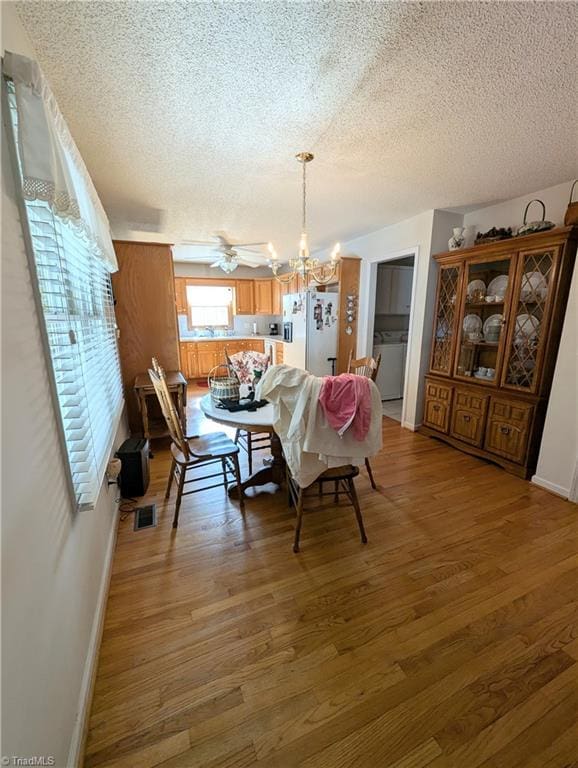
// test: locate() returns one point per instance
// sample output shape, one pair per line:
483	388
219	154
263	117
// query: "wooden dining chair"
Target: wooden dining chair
343	480
241	365
365	366
188	453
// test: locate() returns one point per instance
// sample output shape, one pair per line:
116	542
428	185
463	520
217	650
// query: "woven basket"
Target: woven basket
223	387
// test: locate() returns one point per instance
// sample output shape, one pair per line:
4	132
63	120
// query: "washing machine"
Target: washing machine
391	374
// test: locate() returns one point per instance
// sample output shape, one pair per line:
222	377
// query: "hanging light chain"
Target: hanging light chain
304	217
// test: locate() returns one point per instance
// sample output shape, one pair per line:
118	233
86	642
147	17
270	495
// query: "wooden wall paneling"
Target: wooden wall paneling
144	290
348	286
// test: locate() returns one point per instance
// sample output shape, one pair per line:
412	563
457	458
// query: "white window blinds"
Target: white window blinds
78	313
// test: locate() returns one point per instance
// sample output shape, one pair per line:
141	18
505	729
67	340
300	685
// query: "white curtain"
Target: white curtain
52	167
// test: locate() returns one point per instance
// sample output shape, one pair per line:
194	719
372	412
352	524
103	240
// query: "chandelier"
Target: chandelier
303	265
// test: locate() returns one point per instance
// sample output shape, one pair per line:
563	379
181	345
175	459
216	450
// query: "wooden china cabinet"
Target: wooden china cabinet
498	319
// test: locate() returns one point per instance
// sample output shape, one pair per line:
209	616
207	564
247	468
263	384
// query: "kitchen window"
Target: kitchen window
210	306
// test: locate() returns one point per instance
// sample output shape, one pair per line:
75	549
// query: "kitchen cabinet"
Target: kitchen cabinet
263	297
244	297
393	290
497	324
279	352
181	295
209	354
277	300
144	291
198	358
295	285
189	361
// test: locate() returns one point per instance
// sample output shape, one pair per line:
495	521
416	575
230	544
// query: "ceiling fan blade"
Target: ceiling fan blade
249	250
247	245
192	257
211	243
258	260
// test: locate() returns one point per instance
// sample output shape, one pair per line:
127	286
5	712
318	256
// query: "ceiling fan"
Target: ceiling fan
231	255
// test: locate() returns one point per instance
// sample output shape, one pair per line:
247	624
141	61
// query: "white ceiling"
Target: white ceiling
189	114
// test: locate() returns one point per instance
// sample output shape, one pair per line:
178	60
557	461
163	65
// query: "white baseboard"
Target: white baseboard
76	751
410	425
557	489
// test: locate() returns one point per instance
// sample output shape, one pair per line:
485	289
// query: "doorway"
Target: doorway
391	327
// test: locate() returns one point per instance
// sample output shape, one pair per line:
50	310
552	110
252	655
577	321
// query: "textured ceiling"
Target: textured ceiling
189	114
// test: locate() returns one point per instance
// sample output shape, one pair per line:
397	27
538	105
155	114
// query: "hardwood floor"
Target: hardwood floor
449	640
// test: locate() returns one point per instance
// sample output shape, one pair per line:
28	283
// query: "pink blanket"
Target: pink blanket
346	401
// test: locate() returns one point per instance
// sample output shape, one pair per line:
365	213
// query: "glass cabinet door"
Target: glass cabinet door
528	324
444	326
483	319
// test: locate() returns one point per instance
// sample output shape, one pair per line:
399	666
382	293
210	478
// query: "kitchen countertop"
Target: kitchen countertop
250	337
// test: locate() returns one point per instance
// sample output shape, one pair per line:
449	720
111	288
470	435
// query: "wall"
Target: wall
54	562
188	269
384	321
242	326
559	450
419	236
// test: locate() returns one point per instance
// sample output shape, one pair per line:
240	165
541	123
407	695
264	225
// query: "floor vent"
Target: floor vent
145	517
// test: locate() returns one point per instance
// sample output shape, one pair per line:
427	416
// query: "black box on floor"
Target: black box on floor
134	475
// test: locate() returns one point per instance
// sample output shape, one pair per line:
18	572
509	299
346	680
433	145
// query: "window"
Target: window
76	302
210	306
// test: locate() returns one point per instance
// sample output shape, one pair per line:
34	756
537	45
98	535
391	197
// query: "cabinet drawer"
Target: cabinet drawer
508	428
438	398
468	416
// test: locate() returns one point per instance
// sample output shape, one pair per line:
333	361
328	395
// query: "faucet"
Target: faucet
210	330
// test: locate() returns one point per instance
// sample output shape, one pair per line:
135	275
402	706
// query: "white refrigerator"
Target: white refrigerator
314	325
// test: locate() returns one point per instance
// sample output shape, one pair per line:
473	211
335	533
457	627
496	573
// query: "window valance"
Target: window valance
52	168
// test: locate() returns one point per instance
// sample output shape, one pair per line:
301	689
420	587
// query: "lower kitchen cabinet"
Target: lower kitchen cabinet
189	362
198	358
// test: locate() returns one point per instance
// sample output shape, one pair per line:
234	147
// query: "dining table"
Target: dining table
259	420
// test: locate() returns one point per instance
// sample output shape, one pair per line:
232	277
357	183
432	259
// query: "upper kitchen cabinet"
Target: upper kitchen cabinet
393	292
244	297
277	299
263	297
181	295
